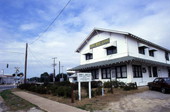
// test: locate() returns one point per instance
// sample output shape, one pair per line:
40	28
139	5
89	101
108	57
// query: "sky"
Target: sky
23	21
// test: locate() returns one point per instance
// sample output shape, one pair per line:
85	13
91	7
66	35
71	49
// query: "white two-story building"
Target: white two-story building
116	55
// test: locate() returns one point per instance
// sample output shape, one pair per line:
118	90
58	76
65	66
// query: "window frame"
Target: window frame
141	50
167	56
95	74
88	56
137	71
151	53
107	75
111	50
121	71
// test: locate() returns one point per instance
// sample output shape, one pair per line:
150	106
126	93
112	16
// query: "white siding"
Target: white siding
99	53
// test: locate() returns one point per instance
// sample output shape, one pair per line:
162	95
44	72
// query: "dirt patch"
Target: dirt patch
149	101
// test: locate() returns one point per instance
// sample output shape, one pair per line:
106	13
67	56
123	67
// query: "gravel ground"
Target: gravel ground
148	101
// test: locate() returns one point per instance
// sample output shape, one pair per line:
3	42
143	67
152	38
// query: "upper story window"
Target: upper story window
89	56
151	53
111	50
167	56
141	50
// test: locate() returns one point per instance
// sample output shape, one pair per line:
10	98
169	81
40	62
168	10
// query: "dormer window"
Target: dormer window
141	50
89	56
111	50
151	51
167	56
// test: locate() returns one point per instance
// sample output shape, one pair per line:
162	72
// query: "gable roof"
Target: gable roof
95	31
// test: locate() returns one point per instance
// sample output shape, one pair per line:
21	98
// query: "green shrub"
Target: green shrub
98	91
41	89
121	84
107	84
64	83
130	86
64	91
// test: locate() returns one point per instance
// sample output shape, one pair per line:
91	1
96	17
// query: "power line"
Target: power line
11	52
51	22
40	62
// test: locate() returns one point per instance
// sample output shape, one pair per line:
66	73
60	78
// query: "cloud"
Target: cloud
148	19
30	26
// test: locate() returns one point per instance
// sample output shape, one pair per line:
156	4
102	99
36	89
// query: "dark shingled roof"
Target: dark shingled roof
125	59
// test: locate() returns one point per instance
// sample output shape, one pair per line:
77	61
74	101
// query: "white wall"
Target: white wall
125	46
133	51
99	53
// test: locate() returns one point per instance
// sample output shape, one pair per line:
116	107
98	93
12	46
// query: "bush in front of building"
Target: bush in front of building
116	84
62	89
130	86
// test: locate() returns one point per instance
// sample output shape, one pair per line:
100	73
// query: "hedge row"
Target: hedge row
58	89
116	84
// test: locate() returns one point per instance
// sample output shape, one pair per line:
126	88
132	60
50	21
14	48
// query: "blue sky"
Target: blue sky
22	21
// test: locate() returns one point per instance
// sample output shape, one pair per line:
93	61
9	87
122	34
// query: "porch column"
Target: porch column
129	73
100	74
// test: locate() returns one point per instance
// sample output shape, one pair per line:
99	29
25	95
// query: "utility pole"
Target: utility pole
25	72
62	71
54	68
59	68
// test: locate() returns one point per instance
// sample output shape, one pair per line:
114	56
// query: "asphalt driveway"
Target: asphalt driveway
148	101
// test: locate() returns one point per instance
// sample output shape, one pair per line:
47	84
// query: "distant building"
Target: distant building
7	79
72	76
116	55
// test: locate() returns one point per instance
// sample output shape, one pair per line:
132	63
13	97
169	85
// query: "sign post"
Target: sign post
84	77
89	90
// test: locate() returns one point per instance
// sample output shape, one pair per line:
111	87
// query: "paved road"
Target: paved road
46	104
5	87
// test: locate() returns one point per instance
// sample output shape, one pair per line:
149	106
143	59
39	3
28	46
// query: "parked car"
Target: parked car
162	84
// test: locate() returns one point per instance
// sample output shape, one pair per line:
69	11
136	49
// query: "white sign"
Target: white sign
84	77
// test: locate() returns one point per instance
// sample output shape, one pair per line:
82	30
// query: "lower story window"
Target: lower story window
95	74
121	71
106	73
137	71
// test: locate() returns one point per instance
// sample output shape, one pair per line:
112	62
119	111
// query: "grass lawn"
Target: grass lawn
14	102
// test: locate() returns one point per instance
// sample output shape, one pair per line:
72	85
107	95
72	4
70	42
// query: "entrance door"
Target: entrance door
168	72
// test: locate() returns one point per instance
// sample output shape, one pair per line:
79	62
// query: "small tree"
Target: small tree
45	77
57	78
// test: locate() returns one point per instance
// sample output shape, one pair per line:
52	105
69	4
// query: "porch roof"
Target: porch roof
122	60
